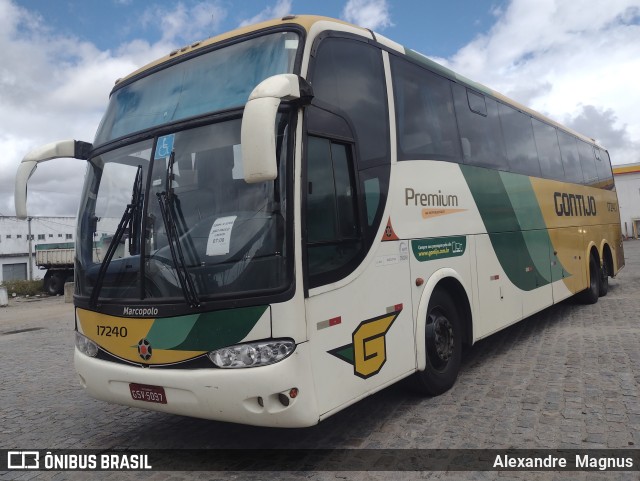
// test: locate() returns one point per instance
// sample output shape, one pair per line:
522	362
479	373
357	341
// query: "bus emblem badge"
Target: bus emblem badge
144	349
367	352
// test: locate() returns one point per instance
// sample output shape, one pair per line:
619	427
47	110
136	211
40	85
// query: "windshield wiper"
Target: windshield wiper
130	219
165	199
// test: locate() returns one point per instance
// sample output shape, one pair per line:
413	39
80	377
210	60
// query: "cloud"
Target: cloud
55	87
280	9
601	125
574	61
185	23
373	14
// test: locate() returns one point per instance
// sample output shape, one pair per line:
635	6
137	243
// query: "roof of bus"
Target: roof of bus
307	21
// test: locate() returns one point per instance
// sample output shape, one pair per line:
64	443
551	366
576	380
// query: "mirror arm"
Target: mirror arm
63	149
306	92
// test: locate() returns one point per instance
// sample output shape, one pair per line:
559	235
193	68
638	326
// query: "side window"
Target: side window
426	120
570	158
519	141
333	233
372	198
603	167
588	162
480	135
546	138
348	76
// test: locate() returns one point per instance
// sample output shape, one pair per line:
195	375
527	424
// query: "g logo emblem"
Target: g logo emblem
368	351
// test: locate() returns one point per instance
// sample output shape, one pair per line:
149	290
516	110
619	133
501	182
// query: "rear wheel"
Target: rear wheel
54	284
604	280
443	342
590	294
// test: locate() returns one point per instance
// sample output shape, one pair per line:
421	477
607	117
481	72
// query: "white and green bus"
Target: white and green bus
296	214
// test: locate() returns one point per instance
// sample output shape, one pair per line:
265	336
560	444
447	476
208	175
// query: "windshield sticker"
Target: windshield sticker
220	236
164	146
237	172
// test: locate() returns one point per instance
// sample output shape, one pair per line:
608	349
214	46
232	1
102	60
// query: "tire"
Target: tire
604	280
591	294
443	339
54	285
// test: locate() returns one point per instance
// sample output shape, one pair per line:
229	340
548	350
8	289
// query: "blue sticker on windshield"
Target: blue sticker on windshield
164	146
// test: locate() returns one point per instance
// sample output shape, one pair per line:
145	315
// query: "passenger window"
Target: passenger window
333	233
425	116
588	162
372	198
349	76
519	141
570	158
548	149
480	135
603	167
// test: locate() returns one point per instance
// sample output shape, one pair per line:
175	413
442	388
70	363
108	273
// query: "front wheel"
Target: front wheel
443	342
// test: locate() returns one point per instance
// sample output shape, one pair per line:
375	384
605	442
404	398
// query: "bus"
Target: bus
303	212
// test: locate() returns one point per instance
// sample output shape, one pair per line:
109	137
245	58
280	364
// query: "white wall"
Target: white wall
628	188
14	242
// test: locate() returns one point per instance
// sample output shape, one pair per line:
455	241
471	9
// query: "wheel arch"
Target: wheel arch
451	282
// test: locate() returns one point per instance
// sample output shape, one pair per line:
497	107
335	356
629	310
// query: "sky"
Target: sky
577	61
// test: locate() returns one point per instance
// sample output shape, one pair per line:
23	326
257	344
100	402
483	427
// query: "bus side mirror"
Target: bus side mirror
29	164
258	134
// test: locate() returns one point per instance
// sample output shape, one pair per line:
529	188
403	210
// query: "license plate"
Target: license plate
144	392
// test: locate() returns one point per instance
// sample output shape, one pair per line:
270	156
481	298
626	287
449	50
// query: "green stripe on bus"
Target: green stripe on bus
513	219
206	331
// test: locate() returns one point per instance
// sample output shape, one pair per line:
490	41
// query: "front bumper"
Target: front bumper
246	396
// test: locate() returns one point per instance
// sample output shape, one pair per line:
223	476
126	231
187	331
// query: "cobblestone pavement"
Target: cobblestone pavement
567	377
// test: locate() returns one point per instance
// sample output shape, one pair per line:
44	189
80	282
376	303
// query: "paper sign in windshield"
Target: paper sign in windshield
220	236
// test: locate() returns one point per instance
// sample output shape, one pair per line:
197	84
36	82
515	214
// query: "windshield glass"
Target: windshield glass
230	234
218	80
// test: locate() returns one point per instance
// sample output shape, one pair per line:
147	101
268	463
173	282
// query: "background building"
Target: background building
627	178
14	243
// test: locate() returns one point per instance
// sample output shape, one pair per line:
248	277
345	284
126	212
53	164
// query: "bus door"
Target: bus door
358	307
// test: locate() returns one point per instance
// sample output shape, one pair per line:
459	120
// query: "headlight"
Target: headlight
86	346
252	354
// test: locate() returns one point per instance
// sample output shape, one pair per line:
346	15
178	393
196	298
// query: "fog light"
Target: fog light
86	346
252	354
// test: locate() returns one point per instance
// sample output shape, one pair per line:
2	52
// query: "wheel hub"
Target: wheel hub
440	339
443	338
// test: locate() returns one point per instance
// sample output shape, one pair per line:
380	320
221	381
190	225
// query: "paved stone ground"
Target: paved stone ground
566	378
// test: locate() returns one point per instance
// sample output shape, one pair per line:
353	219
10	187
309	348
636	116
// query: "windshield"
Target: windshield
218	80
184	189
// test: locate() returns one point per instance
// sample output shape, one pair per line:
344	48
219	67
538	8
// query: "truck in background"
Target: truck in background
58	260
